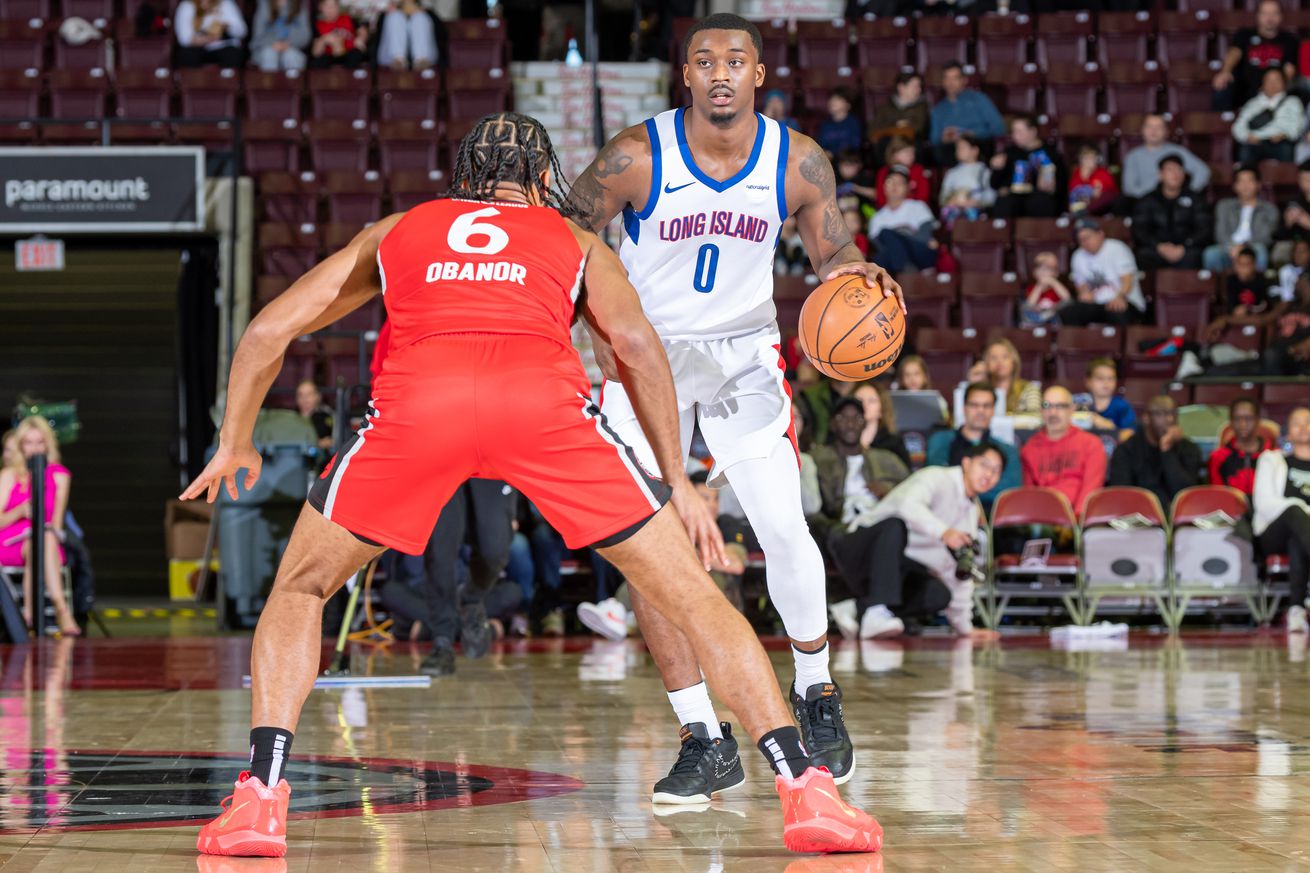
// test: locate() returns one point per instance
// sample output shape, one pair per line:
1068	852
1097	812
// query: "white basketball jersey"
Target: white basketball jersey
700	253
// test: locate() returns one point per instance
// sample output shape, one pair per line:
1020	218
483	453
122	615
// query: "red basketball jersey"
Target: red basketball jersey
463	266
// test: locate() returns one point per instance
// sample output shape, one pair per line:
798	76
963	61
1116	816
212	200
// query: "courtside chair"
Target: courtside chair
1210	558
1007	578
1125	539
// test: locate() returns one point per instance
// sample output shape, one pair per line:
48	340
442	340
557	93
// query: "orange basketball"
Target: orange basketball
849	331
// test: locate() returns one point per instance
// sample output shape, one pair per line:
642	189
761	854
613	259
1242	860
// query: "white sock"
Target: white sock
692	704
811	668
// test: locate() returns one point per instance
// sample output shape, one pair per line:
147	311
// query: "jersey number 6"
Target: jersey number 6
707	264
466	226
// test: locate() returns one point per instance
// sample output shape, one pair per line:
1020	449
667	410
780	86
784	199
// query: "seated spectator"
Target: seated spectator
853	180
310	405
1270	123
905	110
1288	352
1233	463
880	421
1092	190
900	156
1252	52
902	231
1105	279
852	478
408	38
1289	273
33	436
961	111
1142	164
1244	220
854	219
1296	217
738	538
947	447
208	32
906	563
1158	457
1171	225
977	372
281	35
777	107
1061	456
1003	367
337	41
789	257
1109	409
820	401
912	375
841	130
967	187
1281	500
1029	175
1246	297
1046	293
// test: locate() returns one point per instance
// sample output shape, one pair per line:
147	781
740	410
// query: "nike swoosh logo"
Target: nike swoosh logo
222	822
668	190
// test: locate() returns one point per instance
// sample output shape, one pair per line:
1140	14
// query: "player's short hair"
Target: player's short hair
724	21
508	148
982	447
1097	363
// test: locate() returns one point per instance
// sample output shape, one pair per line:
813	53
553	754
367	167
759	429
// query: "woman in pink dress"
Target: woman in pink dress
33	436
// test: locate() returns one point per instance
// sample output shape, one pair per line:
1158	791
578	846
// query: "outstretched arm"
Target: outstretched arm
812	197
338	285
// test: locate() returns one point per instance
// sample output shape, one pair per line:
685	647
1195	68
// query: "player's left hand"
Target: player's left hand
873	275
702	527
221	472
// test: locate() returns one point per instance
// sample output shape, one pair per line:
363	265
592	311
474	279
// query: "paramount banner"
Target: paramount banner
102	190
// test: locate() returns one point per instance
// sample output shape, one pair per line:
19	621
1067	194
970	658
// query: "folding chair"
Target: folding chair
1058	578
1209	558
1125	538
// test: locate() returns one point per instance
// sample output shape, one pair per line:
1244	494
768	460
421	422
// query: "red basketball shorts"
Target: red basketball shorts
485	406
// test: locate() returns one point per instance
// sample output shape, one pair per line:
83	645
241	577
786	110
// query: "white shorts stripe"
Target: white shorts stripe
339	470
590	411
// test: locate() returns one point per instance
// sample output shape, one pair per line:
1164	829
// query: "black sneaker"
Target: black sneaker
704	766
474	632
441	661
819	714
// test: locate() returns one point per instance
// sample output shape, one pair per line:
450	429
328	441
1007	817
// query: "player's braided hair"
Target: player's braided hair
508	147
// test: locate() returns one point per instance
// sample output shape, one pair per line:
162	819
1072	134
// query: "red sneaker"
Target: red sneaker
253	823
816	819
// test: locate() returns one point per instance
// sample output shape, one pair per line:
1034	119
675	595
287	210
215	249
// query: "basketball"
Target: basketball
850	332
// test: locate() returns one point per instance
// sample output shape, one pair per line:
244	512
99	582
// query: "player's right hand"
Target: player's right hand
702	527
222	471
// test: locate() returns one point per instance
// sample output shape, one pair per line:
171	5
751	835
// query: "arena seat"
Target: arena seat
339	94
777	44
1014	88
1057	579
471	94
942	39
1072	89
273	96
299	363
476	44
1131	562
1117	227
404	96
20	94
1137	362
143	93
1188	88
22	46
408	146
1075	131
882	43
1280	398
1183	38
822	45
92	54
78	93
877	84
272	146
289	198
208	93
1138	392
947	352
1123	38
818	83
339	145
98	12
1133	88
934	298
1035	235
26	10
344	359
353	198
989	298
1062	39
287	250
980	245
1278	181
267	288
1076	347
1210	135
132	52
409	189
1003	41
1211	558
1034	346
1184	297
1222	395
1247	337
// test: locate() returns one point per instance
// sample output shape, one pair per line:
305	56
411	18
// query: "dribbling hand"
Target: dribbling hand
222	471
873	275
701	526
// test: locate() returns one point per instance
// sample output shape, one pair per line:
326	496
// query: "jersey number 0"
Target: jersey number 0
707	264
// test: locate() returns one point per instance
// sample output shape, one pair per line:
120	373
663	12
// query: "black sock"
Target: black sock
786	755
269	749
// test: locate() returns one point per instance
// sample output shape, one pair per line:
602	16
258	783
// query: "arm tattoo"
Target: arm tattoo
589	194
816	169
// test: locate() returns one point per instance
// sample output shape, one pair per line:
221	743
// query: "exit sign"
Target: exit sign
39	254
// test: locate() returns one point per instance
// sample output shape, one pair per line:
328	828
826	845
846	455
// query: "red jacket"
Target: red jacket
1074	464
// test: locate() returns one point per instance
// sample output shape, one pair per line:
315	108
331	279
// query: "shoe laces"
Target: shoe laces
689	757
824	718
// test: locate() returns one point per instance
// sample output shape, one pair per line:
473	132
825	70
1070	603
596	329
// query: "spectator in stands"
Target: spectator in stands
840	130
1296	217
1289	273
904	113
1246	297
337	41
1092	190
33	436
789	257
408	38
902	230
777	107
947	447
1003	368
1105	279
820	400
880	421
912	375
967	187
281	35
852	477
1109	409
961	111
310	405
1244	220
1046	293
1141	164
1158	457
208	32
1233	463
1029	175
1252	52
900	156
1281	499
905	563
1062	456
854	181
854	219
1270	123
1288	352
1171	225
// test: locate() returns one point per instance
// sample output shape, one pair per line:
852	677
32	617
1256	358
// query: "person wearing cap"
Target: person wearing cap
1105	280
1171	225
902	230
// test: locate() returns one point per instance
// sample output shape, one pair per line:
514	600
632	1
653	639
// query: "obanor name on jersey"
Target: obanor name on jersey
487	271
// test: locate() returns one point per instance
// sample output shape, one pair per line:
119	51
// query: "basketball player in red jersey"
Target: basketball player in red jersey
704	191
480	290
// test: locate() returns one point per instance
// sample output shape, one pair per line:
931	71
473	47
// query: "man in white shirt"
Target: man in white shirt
1105	276
902	230
913	561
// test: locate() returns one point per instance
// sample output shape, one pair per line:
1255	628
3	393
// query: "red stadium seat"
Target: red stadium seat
1222	395
471	94
132	52
287	250
20	94
883	43
289	198
1076	347
1034	346
980	245
78	94
1210	560
267	289
87	56
947	352
1188	88
408	145
144	93
339	145
272	146
408	96
476	44
1183	297
1139	392
22	46
1278	180
942	39
1072	89
273	96
1035	235
1062	38
26	10
1003	41
340	94
1280	398
1057	578
1075	131
817	84
98	12
1137	361
988	299
1133	88
1210	135
934	298
208	93
1247	337
1118	228
822	45
213	136
345	360
1014	88
777	44
1123	38
1125	561
354	199
1184	37
455	133
409	189
878	84
1214	7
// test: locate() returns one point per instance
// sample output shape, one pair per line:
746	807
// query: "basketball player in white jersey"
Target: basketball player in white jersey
704	191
